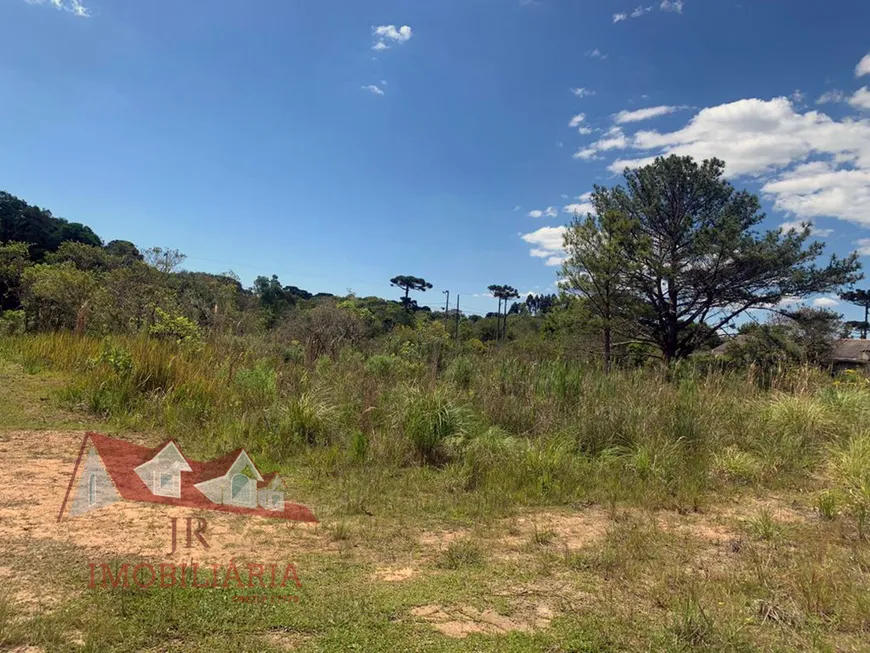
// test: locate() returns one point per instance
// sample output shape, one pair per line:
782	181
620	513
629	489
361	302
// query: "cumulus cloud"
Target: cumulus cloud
812	165
798	225
819	189
386	34
584	131
863	67
643	114
861	98
373	89
585	153
862	246
825	302
546	243
756	136
75	7
549	212
619	17
595	53
576	120
578	208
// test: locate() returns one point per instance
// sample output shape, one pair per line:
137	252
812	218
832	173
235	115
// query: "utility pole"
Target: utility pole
446	302
457	318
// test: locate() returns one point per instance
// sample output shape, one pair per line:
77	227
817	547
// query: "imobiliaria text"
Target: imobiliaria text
250	575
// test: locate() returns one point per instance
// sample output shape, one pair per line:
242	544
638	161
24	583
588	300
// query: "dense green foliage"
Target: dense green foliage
675	255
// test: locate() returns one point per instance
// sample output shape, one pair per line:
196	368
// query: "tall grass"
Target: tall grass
500	426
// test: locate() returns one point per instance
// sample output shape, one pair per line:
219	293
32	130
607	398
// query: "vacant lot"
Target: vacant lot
411	556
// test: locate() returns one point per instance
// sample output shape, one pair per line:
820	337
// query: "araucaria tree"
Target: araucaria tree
859	298
693	259
409	283
504	294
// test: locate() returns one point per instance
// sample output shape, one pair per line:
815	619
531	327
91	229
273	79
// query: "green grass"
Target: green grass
389	446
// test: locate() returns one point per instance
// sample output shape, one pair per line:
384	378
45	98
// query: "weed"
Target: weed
764	526
460	554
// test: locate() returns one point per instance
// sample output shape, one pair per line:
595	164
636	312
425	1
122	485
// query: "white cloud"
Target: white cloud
576	120
863	246
585	153
390	33
797	96
818	189
517	207
863	67
373	89
831	97
75	7
614	139
641	10
584	131
788	300
861	98
643	114
813	166
825	302
797	225
581	208
547	244
755	136
549	212
582	92
595	53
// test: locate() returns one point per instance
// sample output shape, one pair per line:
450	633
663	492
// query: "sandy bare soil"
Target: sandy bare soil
34	479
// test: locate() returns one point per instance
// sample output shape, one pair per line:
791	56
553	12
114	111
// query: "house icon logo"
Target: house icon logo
109	470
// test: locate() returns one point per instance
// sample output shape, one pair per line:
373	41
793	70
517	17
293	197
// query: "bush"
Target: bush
11	323
175	327
461	372
460	554
850	469
429	419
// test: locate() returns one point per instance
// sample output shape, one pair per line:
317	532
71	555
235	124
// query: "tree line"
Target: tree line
668	261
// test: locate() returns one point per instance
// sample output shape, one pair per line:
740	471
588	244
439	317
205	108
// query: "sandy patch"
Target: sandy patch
779	509
33	482
394	575
462	621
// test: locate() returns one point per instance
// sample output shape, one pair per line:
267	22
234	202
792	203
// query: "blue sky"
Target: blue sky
297	138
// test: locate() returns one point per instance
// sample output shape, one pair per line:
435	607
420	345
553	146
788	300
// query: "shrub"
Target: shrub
429	419
381	366
461	372
460	554
850	469
258	385
11	323
736	465
175	327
